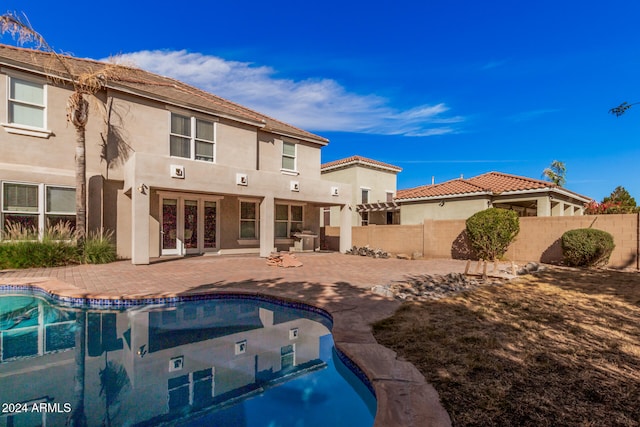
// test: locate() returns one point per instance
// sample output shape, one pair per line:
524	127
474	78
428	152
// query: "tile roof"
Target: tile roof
150	85
448	188
358	160
493	183
498	182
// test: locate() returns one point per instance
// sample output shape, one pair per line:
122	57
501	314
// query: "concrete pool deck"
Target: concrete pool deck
335	282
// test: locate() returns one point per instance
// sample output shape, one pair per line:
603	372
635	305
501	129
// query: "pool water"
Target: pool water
218	362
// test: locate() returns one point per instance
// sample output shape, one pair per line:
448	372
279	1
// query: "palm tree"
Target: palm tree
84	84
556	173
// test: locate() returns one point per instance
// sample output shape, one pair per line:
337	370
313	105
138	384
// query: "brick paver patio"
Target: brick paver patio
338	283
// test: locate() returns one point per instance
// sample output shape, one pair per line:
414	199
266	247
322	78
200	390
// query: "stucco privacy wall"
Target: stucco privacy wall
538	240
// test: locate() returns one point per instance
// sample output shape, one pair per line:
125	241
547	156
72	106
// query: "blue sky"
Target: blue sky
439	88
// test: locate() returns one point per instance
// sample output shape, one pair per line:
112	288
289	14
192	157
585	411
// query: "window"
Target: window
365	195
192	138
389	196
288	220
365	218
61	206
248	220
26	103
21	204
288	156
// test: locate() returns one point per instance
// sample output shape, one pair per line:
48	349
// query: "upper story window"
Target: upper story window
365	195
192	138
389	196
289	150
26	103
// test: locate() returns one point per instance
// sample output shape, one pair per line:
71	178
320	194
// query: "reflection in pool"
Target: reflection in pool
219	362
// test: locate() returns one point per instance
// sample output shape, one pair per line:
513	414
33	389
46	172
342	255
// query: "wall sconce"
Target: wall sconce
550	196
489	203
143	188
441	204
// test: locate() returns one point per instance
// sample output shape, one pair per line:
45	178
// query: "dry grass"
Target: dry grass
561	348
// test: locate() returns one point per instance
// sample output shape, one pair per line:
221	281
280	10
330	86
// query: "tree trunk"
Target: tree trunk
81	183
78	115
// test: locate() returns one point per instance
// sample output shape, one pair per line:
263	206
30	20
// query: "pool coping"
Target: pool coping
404	398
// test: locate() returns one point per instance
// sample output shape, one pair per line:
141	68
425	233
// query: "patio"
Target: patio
335	282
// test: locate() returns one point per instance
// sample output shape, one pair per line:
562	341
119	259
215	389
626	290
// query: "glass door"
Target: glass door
210	219
188	225
191	226
170	227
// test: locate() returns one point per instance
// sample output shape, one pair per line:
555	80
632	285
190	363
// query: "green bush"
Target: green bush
98	248
587	247
58	246
33	253
491	231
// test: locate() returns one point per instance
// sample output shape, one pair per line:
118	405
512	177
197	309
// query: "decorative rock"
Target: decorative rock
426	287
367	251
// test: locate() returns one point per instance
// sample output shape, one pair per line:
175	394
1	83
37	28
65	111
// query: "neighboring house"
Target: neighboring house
373	188
171	169
461	198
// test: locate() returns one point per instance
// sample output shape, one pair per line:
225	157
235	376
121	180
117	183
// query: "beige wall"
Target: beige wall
416	213
538	240
134	149
377	181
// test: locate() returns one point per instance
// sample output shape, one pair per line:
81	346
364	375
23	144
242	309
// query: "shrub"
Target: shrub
58	246
491	231
587	247
98	248
33	253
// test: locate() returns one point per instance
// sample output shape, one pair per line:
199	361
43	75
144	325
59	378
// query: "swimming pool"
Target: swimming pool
222	361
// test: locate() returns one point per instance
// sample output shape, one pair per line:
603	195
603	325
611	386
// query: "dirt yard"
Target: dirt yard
559	348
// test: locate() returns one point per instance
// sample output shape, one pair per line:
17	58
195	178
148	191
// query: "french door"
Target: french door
189	224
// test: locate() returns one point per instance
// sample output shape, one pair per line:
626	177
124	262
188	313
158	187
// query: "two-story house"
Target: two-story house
373	189
171	169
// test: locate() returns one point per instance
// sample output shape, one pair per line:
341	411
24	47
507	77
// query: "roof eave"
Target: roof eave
546	190
446	196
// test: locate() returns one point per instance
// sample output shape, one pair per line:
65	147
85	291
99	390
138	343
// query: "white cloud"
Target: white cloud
312	104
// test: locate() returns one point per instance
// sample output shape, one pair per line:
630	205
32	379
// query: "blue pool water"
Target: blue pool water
218	362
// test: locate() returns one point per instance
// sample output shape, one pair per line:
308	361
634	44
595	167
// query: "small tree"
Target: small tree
491	231
556	173
618	202
84	84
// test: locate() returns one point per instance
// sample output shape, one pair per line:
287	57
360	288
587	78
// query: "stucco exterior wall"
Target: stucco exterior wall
129	166
377	181
416	213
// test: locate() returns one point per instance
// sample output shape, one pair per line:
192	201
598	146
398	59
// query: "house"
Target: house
171	169
373	188
461	198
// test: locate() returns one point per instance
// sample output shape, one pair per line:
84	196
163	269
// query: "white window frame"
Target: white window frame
193	140
252	239
41	210
362	191
289	219
289	156
22	129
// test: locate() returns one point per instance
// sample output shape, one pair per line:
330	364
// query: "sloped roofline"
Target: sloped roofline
477	186
142	83
358	161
